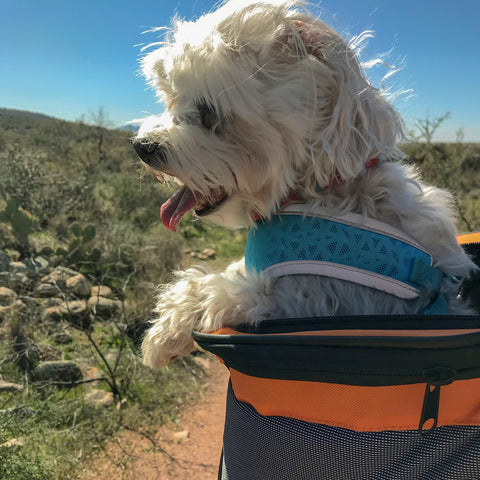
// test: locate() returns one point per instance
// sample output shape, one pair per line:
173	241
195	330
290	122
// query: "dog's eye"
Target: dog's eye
208	115
185	119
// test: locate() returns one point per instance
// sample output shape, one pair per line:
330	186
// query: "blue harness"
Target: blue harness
352	248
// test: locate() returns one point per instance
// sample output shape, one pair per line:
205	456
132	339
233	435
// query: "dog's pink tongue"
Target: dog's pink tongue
172	211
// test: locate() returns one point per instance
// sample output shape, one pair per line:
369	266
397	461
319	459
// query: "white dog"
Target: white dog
268	112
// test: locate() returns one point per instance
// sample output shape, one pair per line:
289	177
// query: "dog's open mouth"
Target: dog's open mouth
184	200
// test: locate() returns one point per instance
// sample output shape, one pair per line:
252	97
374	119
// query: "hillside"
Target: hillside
81	251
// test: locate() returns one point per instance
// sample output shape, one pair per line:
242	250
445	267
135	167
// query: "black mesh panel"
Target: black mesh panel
278	448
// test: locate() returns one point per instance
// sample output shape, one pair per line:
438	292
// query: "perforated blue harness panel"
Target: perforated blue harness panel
295	243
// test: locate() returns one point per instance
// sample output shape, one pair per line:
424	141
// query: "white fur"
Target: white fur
294	111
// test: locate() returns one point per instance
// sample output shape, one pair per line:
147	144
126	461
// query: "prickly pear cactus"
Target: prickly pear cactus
77	251
21	222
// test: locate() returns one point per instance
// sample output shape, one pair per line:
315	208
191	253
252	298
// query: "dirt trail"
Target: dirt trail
195	456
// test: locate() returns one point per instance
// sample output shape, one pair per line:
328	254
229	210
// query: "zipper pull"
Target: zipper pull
436	377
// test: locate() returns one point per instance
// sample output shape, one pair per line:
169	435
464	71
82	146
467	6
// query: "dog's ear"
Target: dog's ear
153	70
355	123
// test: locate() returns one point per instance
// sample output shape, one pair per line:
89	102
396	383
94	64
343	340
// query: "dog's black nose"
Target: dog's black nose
144	148
151	153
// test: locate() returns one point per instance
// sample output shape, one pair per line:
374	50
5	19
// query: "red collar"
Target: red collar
373	162
295	198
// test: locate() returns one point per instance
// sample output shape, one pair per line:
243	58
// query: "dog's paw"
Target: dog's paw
159	349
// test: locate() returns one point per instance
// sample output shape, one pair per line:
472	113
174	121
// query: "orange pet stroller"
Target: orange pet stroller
353	398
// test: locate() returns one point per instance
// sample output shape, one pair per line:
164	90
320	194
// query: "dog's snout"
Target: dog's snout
143	148
150	152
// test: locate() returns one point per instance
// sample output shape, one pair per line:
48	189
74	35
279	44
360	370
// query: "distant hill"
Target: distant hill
129	128
24	117
103	160
64	142
21	115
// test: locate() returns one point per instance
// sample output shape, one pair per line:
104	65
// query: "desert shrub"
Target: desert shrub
21	465
41	190
454	167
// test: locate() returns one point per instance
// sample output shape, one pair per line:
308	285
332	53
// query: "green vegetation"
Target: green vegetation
73	197
452	166
74	201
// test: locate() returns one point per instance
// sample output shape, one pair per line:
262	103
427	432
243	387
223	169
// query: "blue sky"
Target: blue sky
66	58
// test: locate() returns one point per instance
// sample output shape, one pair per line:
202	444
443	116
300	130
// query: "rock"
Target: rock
205	254
14	254
49	352
49	301
78	285
4	262
9	302
68	310
7	296
58	278
37	264
10	387
14	442
99	397
74	311
93	375
40	264
18	268
14	280
102	291
18	277
5	279
63	337
209	252
22	411
122	404
47	290
179	436
62	372
104	307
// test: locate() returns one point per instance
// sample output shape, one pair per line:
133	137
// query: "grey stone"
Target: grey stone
49	301
7	296
49	352
40	264
58	277
18	280
75	312
47	290
5	279
102	291
104	307
10	387
18	268
60	372
63	337
4	261
13	443
209	252
78	285
74	308
14	254
99	397
9	302
21	411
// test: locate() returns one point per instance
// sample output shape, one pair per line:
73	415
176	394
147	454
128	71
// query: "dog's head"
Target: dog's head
262	101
